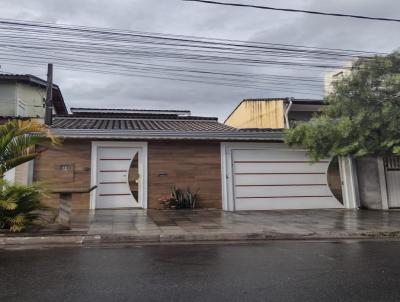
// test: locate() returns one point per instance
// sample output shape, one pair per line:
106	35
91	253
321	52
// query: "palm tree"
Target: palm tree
18	139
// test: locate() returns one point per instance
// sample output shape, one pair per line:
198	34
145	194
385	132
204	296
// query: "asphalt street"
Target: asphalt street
272	271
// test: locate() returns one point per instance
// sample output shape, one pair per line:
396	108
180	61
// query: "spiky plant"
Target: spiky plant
18	139
191	198
184	199
19	205
178	197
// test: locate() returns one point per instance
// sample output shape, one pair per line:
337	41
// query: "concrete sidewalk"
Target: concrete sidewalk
154	226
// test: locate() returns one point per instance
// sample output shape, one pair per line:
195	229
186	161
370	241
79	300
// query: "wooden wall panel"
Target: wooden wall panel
76	153
185	164
181	163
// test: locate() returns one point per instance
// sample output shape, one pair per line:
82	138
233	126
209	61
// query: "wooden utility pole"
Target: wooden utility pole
48	115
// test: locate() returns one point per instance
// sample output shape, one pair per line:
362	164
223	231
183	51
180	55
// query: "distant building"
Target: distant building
274	113
23	95
334	76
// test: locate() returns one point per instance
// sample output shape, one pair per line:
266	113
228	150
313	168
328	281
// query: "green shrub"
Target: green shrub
18	204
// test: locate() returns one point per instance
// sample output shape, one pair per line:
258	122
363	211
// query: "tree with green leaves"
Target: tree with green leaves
18	144
18	141
362	116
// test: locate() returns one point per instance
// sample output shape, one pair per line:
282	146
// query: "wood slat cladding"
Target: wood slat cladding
180	163
183	164
76	153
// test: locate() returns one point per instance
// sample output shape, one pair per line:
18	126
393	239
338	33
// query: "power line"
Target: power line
171	57
296	10
85	31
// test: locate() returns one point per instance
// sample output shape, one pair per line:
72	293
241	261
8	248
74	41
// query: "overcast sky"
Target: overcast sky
188	18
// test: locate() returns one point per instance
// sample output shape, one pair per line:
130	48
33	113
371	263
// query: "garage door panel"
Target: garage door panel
269	179
277	167
287	203
279	178
269	155
269	191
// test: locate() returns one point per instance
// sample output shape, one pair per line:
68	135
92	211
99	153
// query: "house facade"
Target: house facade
132	158
135	157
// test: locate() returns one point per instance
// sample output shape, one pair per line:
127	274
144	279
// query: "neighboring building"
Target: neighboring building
275	113
334	76
23	95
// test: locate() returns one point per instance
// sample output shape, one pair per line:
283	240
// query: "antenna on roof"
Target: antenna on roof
48	115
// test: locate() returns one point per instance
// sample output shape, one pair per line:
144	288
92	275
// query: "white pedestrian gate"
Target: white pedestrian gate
119	172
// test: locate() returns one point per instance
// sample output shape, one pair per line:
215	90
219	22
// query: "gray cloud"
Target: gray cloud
177	17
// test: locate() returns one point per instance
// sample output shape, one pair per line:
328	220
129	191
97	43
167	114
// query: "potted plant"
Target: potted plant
166	202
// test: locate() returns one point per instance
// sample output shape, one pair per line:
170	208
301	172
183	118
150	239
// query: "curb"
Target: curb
38	240
107	239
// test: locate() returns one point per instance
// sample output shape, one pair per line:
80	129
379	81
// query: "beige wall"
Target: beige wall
33	97
258	114
29	96
185	163
8	96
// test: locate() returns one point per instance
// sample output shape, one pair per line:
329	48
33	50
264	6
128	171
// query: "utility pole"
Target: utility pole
48	115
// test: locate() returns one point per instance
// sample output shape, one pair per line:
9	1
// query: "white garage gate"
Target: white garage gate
273	176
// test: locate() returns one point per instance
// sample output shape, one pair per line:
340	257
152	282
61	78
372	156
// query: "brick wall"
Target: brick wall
180	163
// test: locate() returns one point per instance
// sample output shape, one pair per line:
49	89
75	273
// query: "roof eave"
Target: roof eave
168	135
